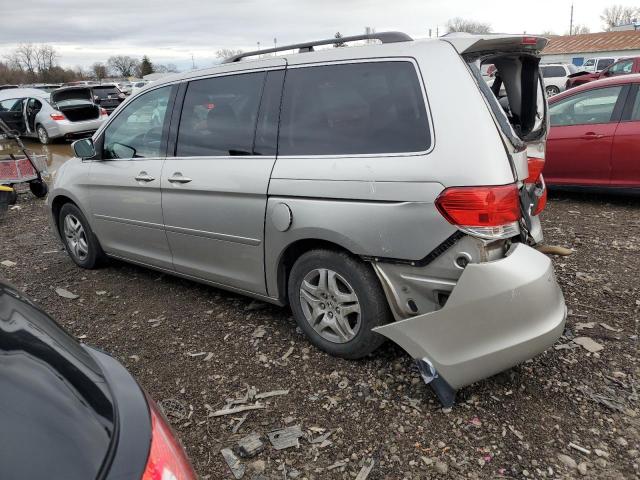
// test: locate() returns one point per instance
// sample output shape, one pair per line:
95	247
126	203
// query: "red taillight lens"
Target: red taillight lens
57	116
480	206
529	41
103	112
535	169
166	459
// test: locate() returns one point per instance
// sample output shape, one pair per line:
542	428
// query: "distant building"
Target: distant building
576	48
634	25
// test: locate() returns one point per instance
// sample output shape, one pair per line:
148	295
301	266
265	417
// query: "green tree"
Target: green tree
338	43
146	67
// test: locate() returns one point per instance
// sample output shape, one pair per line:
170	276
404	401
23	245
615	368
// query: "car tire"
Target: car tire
337	300
39	188
552	90
78	238
43	135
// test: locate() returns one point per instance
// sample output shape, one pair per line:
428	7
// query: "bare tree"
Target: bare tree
618	15
579	30
227	52
99	70
458	24
168	68
122	65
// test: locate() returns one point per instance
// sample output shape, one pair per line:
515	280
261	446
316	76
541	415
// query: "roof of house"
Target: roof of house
593	42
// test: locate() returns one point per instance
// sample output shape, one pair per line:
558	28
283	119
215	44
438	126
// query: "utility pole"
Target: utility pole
275	45
571	21
193	62
429	33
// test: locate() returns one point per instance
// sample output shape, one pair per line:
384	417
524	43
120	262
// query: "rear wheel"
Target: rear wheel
43	136
337	300
552	90
79	240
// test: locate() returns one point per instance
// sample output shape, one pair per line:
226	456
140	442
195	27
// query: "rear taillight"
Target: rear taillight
57	116
487	212
103	112
536	165
535	169
167	459
529	41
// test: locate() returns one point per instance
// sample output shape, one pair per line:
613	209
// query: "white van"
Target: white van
598	64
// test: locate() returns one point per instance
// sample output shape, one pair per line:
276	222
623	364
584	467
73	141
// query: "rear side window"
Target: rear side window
585	108
219	116
553	71
604	63
351	109
621	68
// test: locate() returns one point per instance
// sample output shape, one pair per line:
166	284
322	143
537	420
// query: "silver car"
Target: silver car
374	195
67	112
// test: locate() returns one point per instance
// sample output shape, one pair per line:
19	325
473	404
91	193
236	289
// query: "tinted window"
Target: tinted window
266	140
137	130
104	92
593	106
353	109
219	116
553	71
635	113
589	63
604	63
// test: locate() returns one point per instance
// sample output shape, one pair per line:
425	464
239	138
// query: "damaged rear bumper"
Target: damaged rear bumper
499	314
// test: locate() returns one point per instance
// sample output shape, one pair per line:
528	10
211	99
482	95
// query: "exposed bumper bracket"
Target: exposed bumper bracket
445	393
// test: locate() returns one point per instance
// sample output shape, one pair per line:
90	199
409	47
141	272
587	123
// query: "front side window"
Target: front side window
586	108
219	116
358	108
137	130
621	68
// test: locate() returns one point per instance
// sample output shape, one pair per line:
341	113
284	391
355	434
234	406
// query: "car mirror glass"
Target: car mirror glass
84	148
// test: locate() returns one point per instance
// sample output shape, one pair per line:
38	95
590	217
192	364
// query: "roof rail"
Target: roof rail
384	37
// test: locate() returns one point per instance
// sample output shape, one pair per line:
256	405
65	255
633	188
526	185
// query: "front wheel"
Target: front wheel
552	90
337	300
79	240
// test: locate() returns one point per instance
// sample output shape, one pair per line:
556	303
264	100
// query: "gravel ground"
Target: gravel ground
200	346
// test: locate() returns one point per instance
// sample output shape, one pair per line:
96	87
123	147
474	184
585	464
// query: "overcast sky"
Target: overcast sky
171	31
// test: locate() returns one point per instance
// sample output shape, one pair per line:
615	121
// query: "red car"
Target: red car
594	139
624	66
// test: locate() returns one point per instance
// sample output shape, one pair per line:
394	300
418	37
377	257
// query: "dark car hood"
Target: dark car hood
56	410
71	93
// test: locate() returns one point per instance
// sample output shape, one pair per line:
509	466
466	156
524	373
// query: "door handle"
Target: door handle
179	178
592	136
144	177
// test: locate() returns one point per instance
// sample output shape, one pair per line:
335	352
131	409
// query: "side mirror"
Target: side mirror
84	148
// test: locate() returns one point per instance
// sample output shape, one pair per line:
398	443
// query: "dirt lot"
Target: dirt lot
511	426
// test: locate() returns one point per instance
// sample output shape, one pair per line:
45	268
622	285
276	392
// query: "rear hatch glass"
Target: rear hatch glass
106	92
67	94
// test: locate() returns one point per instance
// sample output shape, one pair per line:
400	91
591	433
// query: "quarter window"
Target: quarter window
219	116
137	130
360	108
591	107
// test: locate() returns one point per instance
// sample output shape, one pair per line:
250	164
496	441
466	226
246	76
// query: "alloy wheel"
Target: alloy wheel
76	237
330	305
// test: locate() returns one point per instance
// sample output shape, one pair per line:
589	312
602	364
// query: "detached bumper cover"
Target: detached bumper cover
499	314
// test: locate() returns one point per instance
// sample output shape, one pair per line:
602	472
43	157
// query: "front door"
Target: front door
11	112
581	137
125	181
214	191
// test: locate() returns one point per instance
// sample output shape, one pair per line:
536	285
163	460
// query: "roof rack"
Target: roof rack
384	37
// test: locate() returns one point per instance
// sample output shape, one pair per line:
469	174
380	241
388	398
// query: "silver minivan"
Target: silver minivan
380	190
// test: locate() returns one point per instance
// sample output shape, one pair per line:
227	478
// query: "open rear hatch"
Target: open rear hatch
515	95
76	103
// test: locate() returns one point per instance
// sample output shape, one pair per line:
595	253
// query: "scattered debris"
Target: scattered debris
516	433
338	464
135	358
66	294
567	460
579	448
588	344
199	354
285	437
230	411
287	353
250	446
583	325
101	292
259	332
173	409
237	426
555	250
236	467
610	328
8	263
366	469
273	393
208	357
